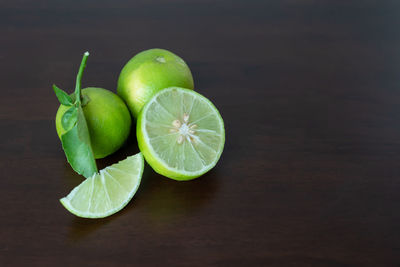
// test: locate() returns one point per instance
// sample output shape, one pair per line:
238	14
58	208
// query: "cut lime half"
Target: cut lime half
108	191
180	133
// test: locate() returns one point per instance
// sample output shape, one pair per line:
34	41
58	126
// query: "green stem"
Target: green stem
79	78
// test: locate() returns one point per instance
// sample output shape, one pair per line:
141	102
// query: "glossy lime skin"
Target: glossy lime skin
108	120
149	72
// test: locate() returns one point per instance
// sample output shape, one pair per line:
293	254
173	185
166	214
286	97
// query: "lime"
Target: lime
108	120
147	73
180	133
108	191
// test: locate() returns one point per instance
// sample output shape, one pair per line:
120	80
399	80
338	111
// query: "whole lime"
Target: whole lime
147	73
107	117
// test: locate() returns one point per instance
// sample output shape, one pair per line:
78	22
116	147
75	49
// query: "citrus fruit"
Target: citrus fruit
108	120
147	73
108	191
180	133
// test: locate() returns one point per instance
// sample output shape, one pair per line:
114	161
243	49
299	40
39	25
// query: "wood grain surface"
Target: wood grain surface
310	94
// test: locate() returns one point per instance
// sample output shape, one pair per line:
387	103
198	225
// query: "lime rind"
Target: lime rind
104	194
147	73
162	163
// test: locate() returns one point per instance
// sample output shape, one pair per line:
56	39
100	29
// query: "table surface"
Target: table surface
309	92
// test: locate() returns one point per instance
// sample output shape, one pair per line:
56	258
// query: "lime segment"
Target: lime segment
180	133
108	191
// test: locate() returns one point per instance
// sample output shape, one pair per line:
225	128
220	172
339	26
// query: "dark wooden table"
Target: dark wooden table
310	94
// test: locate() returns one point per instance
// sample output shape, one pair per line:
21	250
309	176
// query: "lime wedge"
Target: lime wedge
180	133
108	191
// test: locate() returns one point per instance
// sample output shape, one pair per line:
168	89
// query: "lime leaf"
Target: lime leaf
76	140
77	148
69	118
62	96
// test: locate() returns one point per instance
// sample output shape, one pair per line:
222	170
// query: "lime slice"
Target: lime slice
180	133
108	191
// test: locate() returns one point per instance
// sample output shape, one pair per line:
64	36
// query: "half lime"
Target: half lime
180	133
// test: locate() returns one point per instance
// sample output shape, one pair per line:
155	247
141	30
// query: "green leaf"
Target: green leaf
69	118
76	140
62	96
77	148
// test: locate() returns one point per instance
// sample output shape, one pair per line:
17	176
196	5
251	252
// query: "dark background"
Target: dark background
309	91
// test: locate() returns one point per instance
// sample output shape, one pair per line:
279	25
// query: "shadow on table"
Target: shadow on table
81	228
168	200
159	200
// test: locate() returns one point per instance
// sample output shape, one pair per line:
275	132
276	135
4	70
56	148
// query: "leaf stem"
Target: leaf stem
79	78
